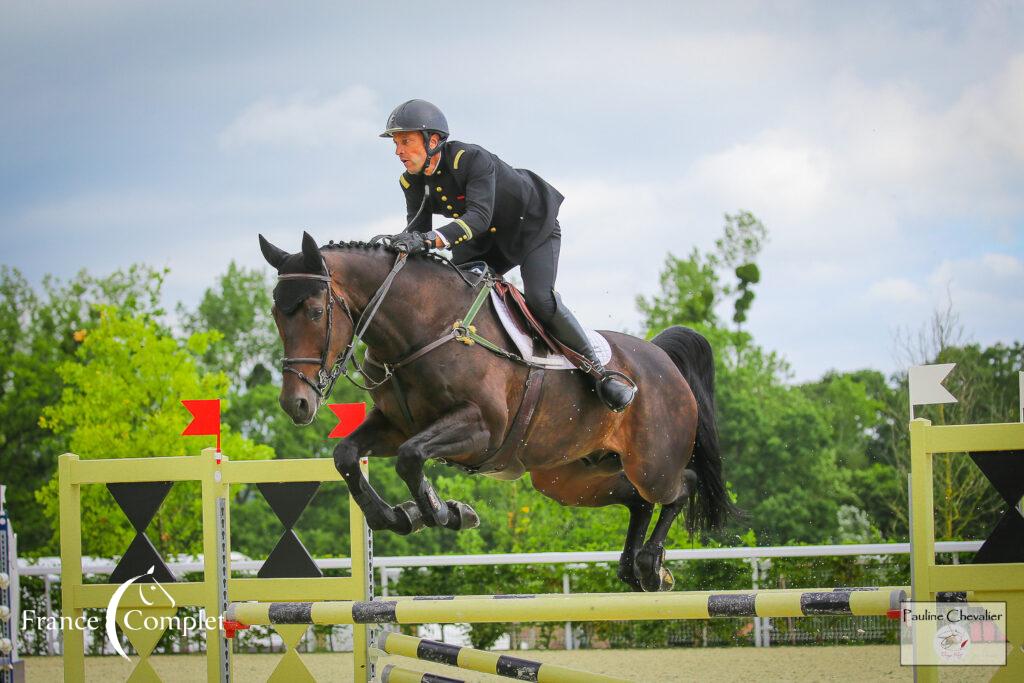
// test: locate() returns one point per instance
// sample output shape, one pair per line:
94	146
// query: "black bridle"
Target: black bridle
325	378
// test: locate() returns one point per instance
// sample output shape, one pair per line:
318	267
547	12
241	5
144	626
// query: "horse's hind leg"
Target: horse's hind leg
649	564
640	514
581	485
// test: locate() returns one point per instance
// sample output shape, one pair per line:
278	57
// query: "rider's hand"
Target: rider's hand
410	242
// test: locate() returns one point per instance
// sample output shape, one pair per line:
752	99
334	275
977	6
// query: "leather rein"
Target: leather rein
327	374
325	378
497	460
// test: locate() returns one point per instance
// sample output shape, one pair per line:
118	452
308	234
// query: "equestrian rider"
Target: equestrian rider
503	216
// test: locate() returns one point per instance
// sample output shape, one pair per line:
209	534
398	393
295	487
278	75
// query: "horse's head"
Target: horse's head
313	332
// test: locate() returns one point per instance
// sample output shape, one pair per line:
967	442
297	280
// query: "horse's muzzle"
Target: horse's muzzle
300	407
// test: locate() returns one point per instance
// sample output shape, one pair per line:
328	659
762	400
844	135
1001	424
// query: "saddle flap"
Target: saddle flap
523	328
520	314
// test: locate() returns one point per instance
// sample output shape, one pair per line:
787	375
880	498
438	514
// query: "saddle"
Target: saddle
534	343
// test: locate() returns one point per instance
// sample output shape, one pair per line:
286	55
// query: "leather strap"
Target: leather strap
515	302
426	349
403	404
516	436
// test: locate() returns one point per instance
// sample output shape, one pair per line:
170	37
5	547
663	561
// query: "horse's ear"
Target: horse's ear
312	259
274	256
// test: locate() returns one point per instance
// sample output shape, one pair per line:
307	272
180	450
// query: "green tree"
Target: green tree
741	242
688	294
121	399
778	458
238	307
38	333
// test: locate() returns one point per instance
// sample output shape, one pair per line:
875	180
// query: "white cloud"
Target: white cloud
895	290
999	275
882	146
777	170
304	120
985	292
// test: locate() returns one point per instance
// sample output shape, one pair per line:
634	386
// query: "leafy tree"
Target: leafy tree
778	458
851	413
38	332
239	308
742	240
121	399
688	295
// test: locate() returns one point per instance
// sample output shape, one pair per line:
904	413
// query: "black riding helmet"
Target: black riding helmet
422	116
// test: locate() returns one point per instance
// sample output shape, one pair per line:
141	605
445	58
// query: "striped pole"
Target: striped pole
487	662
574	607
399	674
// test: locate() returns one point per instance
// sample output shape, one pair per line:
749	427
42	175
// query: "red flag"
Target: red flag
350	416
205	418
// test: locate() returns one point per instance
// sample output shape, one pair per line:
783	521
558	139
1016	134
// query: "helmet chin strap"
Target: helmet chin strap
430	152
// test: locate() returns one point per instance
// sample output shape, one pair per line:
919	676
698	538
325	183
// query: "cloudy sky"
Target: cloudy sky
881	143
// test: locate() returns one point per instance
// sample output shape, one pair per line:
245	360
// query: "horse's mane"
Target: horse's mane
380	246
289	294
426	257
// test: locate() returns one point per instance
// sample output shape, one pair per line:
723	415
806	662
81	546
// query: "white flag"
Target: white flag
926	384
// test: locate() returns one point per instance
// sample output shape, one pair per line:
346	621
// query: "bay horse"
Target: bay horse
458	403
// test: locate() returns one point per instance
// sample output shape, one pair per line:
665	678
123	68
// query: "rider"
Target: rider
503	216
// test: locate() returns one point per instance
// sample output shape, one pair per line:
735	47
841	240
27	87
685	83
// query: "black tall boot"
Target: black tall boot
615	393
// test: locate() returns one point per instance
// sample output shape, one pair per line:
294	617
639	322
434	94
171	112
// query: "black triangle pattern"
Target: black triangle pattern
289	499
1005	543
140	500
1005	471
289	560
140	556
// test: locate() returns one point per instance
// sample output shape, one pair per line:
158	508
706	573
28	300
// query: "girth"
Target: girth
497	460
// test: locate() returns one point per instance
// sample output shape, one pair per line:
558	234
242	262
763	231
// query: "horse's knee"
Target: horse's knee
346	457
409	462
541	303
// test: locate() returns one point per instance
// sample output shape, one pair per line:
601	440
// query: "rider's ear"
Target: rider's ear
274	256
312	259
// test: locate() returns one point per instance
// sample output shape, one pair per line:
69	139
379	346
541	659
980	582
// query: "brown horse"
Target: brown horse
458	403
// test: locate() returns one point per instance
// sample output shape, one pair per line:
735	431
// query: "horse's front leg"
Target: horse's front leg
461	431
375	436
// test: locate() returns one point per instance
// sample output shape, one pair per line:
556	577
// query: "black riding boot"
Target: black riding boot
615	393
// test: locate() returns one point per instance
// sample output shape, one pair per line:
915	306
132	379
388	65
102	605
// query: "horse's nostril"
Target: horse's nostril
301	406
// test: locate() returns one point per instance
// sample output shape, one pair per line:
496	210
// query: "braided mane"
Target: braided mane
380	246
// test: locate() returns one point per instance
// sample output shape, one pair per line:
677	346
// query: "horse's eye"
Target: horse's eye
316	313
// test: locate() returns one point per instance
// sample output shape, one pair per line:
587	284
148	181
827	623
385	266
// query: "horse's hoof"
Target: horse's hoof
668	581
410	519
649	569
461	516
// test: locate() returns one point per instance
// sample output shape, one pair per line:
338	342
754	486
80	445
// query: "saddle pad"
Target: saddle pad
524	342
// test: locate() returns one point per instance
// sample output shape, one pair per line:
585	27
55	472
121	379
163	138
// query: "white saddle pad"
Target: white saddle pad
524	342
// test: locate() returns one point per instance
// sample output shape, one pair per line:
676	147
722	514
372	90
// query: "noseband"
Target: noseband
325	378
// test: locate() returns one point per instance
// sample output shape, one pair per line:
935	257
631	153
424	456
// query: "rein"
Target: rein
325	378
462	330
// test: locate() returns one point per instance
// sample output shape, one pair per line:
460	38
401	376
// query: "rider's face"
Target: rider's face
409	148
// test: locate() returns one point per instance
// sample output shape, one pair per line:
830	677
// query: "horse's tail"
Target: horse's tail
692	354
